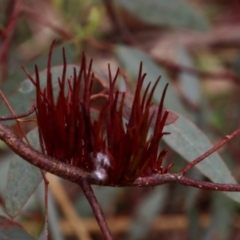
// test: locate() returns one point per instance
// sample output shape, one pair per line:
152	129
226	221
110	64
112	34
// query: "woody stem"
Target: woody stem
87	190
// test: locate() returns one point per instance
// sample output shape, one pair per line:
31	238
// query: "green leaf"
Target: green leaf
170	13
130	59
190	142
10	230
23	178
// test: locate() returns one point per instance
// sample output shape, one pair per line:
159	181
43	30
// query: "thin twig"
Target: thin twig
16	116
40	160
209	152
87	190
76	223
77	175
46	228
159	179
13	113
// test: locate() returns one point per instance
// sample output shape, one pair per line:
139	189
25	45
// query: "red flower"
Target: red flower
114	150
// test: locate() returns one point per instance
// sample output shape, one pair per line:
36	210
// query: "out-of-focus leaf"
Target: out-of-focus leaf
185	138
24	96
53	214
105	197
222	218
208	62
130	59
193	213
236	65
3	146
190	142
4	166
194	228
170	13
192	193
189	84
9	230
147	210
44	234
23	178
12	83
21	93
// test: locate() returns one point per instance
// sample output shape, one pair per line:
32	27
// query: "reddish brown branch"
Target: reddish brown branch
87	190
159	179
209	152
13	117
77	175
39	160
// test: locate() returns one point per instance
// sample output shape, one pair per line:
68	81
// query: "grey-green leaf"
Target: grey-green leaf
130	59
15	88
185	137
9	230
23	178
222	218
170	13
26	90
188	84
190	142
148	209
